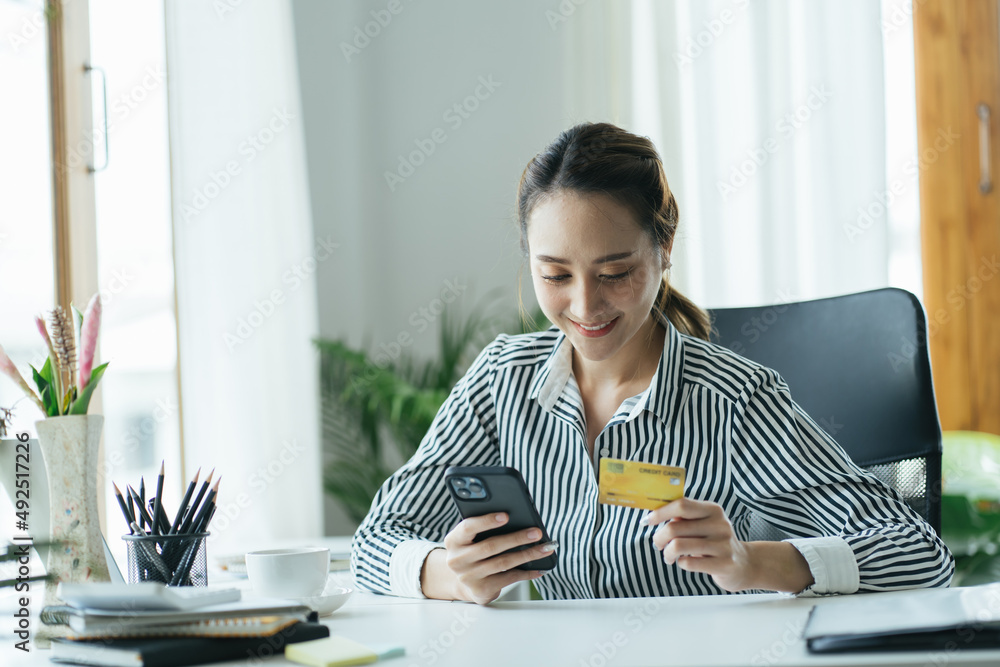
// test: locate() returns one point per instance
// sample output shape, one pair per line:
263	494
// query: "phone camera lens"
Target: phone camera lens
458	482
476	487
463	493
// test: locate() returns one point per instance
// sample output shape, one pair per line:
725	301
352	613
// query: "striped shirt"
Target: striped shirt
731	423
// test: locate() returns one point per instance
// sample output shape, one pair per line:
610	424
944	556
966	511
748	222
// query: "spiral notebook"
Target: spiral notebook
180	651
252	626
93	621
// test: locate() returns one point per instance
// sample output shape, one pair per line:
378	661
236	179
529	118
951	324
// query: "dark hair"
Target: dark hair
600	158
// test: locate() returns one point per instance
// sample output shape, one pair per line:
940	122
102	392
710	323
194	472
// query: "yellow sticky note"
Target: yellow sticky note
636	484
330	652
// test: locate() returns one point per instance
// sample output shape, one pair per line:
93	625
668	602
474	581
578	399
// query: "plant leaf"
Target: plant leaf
46	371
78	321
45	391
79	406
39	379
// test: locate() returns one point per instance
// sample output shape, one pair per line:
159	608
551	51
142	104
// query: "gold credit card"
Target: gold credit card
637	484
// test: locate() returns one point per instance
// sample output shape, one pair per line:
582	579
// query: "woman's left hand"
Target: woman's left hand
698	537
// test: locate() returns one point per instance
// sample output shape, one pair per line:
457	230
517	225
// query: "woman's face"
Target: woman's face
596	272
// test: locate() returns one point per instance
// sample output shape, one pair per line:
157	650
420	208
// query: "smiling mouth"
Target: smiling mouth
595	328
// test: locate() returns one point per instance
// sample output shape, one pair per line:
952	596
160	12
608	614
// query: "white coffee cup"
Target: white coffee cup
289	573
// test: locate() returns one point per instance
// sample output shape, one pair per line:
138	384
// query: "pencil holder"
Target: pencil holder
175	560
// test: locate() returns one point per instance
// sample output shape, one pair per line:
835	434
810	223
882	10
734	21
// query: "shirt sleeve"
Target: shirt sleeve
412	512
855	532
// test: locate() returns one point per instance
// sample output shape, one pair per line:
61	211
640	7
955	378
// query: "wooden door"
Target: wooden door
957	58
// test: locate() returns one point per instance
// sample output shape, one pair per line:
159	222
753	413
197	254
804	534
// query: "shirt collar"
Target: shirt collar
555	372
659	398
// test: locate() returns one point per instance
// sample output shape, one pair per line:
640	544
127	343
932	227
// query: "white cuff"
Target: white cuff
405	563
832	563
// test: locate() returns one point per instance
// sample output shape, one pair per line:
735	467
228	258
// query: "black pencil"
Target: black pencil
199	520
203	526
162	525
152	555
129	519
157	502
183	572
141	498
184	503
192	508
131	506
208	519
142	508
134	503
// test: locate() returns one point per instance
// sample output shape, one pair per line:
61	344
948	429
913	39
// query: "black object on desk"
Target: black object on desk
181	651
944	619
172	553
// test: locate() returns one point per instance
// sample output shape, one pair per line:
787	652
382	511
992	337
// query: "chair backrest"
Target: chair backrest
859	366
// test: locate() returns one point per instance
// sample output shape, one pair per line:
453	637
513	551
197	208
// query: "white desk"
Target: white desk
738	630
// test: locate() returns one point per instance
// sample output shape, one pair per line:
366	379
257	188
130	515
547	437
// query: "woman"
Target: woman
627	372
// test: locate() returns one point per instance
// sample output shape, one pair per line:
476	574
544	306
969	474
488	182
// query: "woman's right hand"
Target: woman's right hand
480	570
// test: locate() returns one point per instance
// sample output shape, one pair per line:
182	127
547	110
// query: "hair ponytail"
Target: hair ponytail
603	158
686	317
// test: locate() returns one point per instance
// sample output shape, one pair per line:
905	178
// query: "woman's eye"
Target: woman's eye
618	277
605	278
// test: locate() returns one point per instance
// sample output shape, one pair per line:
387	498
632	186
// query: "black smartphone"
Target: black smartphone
479	490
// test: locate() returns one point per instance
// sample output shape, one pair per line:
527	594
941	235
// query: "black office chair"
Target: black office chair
859	366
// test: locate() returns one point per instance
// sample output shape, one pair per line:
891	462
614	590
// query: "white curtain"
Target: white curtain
245	262
770	118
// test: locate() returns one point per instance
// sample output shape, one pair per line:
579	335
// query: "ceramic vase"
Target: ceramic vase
69	448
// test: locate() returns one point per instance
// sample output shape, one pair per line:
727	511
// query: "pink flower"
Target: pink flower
88	339
8	368
40	323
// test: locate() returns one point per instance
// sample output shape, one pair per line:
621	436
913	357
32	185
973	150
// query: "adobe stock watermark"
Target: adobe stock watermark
772	654
120	109
230	509
454	116
900	16
362	36
264	309
420	320
249	149
224	7
33	25
881	201
956	298
562	13
758	325
605	650
696	45
118	283
433	649
786	128
986	617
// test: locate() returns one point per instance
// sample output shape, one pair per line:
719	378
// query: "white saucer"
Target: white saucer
332	599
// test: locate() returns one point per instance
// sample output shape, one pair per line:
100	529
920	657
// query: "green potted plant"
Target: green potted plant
369	402
69	439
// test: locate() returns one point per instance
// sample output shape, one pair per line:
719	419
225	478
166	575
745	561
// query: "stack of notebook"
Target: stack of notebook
124	632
